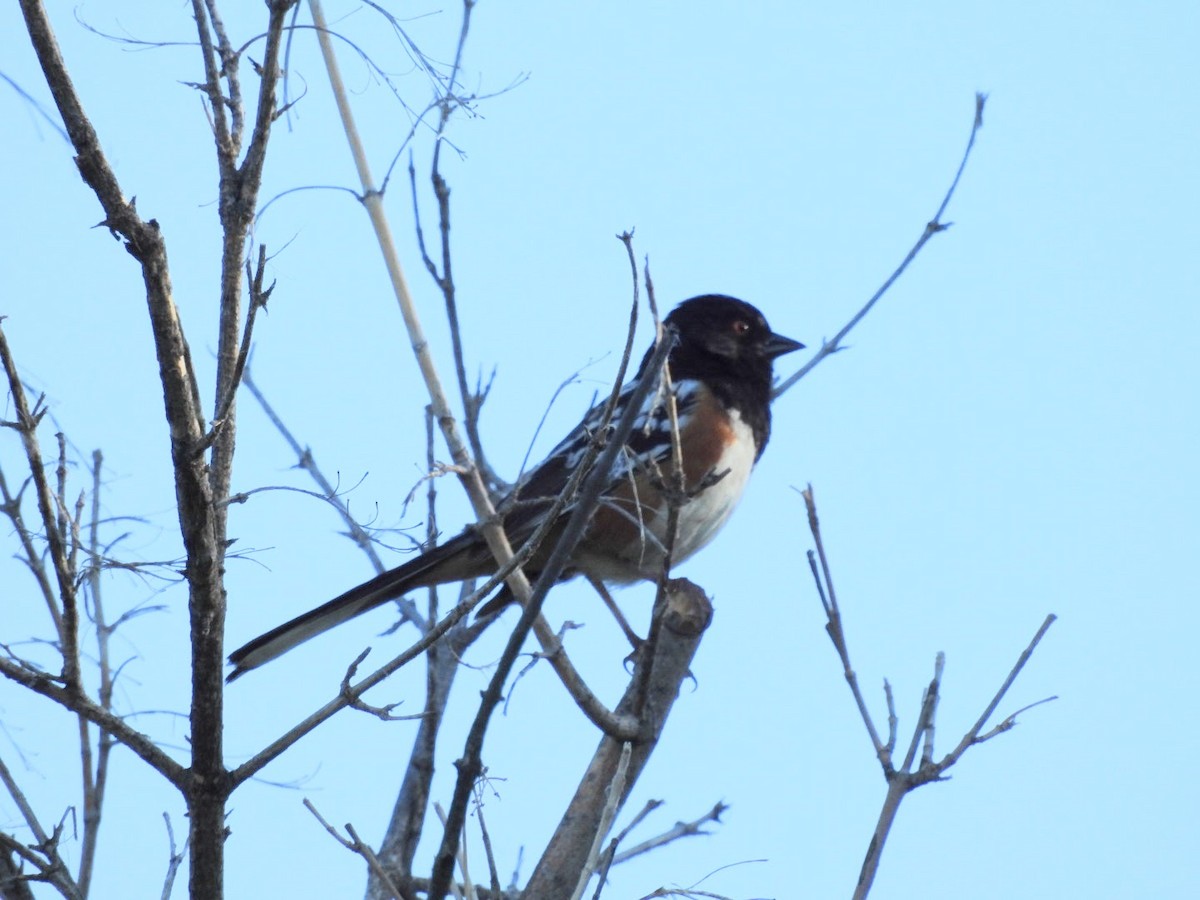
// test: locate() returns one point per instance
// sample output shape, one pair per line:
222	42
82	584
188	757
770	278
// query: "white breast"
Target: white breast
702	517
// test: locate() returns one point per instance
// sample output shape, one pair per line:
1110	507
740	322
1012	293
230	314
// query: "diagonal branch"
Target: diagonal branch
53	869
139	743
66	618
973	735
468	472
934	226
30	555
837	634
307	461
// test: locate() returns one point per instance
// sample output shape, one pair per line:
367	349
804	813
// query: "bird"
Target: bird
721	373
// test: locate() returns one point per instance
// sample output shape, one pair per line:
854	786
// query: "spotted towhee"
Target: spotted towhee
720	372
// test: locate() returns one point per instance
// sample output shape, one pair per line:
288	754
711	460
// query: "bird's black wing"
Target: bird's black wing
648	444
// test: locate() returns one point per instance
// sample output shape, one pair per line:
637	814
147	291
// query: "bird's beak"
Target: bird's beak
778	345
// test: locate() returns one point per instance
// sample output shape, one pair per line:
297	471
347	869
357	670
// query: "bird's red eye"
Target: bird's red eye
740	326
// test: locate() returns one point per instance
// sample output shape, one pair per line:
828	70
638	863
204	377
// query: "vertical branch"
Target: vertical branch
399	845
613	795
373	202
673	488
229	71
95	776
63	526
837	635
202	522
897	788
447	103
239	188
145	243
431	529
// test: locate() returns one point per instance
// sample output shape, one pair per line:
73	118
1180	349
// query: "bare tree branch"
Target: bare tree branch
95	774
307	461
399	844
355	844
620	726
174	860
469	474
685	616
29	552
613	795
674	833
14	884
48	686
44	853
934	226
198	483
26	424
905	778
833	627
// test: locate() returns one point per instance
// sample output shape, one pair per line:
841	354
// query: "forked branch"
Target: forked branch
914	771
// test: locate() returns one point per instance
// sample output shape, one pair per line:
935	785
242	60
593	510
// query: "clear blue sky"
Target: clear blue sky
1012	432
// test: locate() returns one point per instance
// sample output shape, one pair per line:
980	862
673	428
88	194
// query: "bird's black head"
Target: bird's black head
723	337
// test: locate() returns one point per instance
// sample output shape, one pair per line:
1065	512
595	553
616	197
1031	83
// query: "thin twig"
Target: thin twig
612	801
399	844
30	555
95	777
53	869
259	296
48	686
679	830
174	860
934	226
972	736
26	425
836	633
373	862
355	844
444	278
23	805
428	637
307	461
490	856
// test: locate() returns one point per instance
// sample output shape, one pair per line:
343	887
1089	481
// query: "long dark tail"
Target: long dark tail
458	558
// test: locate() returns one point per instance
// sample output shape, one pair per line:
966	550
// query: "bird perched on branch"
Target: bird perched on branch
720	374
